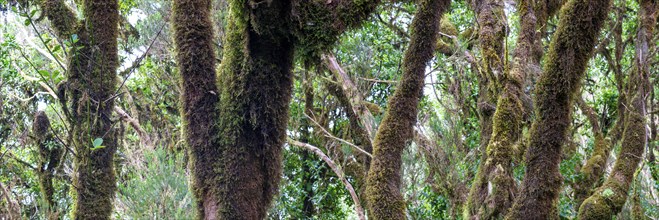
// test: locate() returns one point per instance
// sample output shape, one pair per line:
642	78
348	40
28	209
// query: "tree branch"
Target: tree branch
337	170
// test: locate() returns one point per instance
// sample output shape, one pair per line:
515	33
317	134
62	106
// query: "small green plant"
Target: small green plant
97	144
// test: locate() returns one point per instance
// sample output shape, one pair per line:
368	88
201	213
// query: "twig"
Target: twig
328	134
337	170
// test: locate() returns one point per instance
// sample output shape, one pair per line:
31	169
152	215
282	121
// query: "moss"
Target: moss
317	24
635	136
90	89
566	61
195	58
62	18
49	160
493	189
383	181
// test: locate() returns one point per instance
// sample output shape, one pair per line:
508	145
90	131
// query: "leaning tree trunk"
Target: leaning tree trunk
608	199
90	92
565	65
383	181
494	188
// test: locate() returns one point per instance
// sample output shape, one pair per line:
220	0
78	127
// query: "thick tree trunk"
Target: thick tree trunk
565	65
92	85
89	95
608	200
383	182
193	36
494	189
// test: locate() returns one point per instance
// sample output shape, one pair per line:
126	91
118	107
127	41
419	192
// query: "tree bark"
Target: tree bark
566	61
396	129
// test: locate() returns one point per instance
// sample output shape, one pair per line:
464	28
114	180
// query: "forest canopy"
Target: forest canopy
329	109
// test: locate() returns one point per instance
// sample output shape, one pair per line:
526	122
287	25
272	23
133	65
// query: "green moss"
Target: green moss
635	135
90	92
62	18
49	160
384	181
566	61
193	36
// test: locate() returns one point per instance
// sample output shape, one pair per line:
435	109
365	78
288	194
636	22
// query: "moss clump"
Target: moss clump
569	52
61	17
49	159
383	180
193	36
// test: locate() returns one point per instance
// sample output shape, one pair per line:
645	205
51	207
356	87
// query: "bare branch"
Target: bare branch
337	170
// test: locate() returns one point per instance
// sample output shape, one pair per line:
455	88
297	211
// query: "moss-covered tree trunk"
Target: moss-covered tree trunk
592	171
608	199
49	159
193	35
256	84
494	188
491	36
90	92
569	51
396	129
236	130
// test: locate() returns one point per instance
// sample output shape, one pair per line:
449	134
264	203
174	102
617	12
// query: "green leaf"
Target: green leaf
28	22
97	142
57	48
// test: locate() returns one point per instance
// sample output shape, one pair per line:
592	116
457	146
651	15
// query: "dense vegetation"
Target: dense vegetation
329	109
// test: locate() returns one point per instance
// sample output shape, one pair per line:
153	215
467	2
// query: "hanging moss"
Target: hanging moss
61	17
317	24
383	181
195	58
609	199
49	160
566	61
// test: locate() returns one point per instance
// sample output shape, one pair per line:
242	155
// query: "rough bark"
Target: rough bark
566	61
494	188
609	199
49	159
396	129
193	35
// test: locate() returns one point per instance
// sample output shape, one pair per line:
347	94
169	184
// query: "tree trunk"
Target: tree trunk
193	35
494	188
90	92
608	200
383	182
566	61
